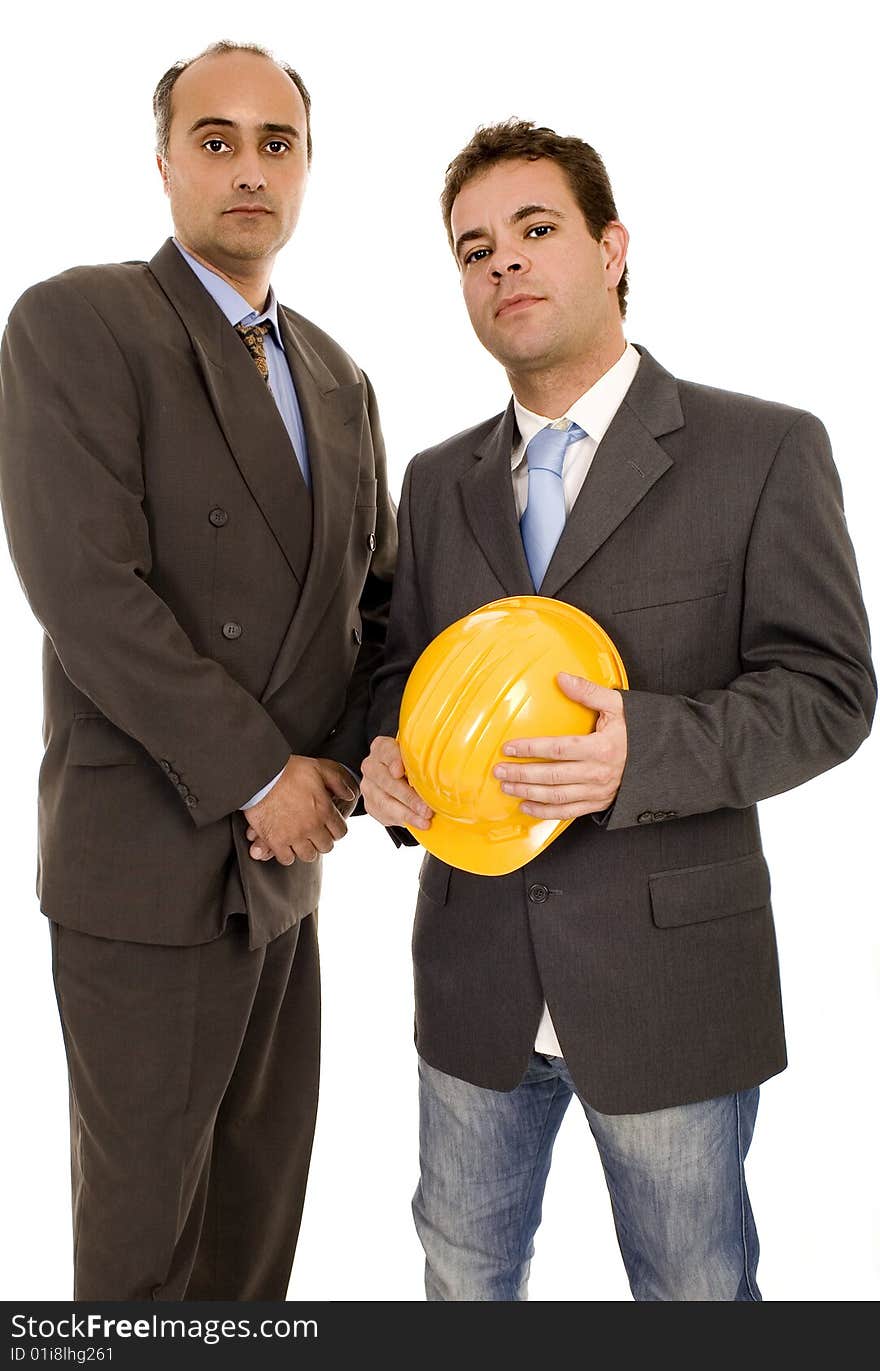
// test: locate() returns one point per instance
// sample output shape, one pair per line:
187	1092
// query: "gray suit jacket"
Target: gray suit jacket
204	615
709	540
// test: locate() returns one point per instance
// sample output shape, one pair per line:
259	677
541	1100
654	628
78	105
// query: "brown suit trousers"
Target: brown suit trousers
189	1149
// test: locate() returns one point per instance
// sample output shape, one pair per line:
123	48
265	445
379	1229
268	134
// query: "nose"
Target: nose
512	263
249	173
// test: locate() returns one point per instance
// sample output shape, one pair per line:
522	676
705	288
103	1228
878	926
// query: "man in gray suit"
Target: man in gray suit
193	483
633	962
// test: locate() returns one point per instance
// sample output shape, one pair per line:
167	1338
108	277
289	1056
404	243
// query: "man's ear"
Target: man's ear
615	241
163	170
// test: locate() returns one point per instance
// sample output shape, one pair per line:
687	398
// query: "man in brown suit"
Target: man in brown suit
631	964
194	489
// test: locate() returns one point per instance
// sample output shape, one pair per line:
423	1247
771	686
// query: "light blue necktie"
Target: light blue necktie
544	517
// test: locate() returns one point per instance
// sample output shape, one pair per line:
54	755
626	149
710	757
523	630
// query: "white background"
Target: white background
739	143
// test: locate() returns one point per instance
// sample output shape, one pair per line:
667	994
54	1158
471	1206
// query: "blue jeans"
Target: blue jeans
675	1177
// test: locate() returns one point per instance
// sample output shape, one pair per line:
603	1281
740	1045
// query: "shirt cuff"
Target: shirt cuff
261	794
353	774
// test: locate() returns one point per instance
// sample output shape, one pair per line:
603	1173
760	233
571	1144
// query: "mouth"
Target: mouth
514	303
248	209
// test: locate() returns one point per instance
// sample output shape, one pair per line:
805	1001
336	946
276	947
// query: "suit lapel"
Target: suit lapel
627	463
487	492
245	410
329	412
312	530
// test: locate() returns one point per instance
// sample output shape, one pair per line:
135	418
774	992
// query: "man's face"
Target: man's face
539	289
236	167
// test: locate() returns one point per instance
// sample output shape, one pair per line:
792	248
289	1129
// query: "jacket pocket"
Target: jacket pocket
434	879
690	583
366	491
695	894
94	741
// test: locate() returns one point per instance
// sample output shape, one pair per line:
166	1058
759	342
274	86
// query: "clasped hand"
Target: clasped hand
300	817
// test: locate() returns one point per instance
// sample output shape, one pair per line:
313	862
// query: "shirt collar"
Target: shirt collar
236	309
594	410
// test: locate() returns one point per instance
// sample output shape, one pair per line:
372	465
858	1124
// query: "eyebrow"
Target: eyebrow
524	212
216	121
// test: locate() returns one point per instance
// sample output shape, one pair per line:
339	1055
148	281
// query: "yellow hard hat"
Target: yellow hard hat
485	679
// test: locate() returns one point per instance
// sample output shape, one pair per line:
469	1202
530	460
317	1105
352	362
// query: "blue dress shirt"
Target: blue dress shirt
238	311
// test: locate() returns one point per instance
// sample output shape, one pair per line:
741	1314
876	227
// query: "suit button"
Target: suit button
173	776
190	802
538	894
371	542
218	517
356	634
165	765
647	817
231	629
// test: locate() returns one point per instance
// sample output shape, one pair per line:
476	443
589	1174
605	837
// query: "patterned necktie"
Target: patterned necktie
254	339
544	516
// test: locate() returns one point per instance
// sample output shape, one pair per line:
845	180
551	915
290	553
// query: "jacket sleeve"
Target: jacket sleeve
72	492
407	635
406	639
349	743
805	698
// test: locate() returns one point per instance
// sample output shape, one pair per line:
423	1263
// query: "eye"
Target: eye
277	147
476	256
215	145
539	230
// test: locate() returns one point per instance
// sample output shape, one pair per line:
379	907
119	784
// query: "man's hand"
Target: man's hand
387	794
299	817
584	774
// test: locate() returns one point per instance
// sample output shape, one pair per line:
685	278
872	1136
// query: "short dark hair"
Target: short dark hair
519	138
162	93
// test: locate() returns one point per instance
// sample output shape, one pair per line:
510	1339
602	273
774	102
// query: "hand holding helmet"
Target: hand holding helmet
488	680
386	793
581	772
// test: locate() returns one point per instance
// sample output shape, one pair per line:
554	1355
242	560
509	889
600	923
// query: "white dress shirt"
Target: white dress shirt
593	411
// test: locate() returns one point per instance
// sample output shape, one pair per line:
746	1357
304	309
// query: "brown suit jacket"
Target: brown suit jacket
709	540
205	616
